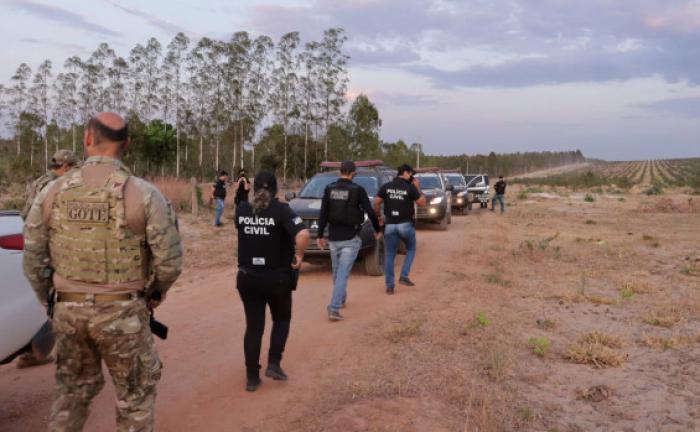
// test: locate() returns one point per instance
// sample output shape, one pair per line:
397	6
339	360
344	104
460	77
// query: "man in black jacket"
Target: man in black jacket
343	207
500	187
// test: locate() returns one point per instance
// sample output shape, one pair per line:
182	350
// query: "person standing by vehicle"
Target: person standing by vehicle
218	192
343	208
100	235
271	245
61	162
242	188
398	197
500	188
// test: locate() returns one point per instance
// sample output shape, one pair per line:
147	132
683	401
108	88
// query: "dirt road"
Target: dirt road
202	386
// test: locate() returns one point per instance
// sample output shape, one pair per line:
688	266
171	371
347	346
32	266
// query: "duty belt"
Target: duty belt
94	298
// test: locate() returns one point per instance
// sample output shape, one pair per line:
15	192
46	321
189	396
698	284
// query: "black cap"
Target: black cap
405	167
265	180
347	167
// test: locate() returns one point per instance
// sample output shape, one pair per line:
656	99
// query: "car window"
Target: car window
429	181
455	180
476	179
315	187
468	179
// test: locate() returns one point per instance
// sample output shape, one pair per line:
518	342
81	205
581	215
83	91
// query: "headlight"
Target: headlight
459	200
436	200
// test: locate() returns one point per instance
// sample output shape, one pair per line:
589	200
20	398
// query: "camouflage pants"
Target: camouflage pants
119	334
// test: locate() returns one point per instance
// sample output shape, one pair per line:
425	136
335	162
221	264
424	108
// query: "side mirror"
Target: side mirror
290	196
450	188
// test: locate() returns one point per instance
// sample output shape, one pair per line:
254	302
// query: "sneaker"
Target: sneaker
390	290
335	316
406	281
252	384
275	372
29	360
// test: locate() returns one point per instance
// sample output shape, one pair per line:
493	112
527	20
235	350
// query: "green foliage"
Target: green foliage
589	198
540	345
480	320
654	189
577	180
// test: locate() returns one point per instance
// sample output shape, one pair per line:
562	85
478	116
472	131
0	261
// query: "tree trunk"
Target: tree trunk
306	146
233	144
73	129
284	166
177	152
216	158
195	201
46	148
201	148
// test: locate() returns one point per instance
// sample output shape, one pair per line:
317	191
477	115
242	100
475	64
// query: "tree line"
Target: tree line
195	108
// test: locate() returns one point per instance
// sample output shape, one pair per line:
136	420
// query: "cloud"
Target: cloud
68	47
155	21
683	107
61	16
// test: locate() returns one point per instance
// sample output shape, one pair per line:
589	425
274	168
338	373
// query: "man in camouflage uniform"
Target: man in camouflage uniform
106	235
61	162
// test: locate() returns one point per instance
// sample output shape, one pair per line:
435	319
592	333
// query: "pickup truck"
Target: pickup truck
477	190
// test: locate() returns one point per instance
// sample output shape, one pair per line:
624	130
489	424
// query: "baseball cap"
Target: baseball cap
265	180
63	157
347	167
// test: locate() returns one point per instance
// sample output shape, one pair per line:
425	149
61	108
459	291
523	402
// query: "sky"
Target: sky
618	79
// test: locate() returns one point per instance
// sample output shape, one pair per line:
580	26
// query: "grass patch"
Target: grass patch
597	393
480	319
598	350
655	189
589	198
626	293
497	364
540	345
667	317
666	343
546	323
405	330
591	222
497	279
522	195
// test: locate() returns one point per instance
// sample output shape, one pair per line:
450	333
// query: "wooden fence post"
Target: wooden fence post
195	200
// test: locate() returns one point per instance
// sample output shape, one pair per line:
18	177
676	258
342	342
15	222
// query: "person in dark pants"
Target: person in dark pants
242	188
500	188
271	244
218	192
344	206
398	197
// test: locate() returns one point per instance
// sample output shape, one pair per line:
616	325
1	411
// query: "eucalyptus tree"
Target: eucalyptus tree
66	101
332	78
173	67
40	102
308	93
135	78
364	124
118	74
283	97
256	87
19	99
151	76
237	68
200	89
97	69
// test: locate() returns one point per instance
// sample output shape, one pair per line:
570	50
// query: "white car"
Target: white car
23	322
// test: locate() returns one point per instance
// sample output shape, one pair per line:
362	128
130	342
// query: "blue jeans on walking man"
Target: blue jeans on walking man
393	234
219	211
500	199
343	255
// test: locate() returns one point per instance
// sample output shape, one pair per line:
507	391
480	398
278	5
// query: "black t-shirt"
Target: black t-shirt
399	196
266	240
220	189
241	193
500	187
345	231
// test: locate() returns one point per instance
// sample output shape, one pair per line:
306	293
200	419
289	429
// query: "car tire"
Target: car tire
374	260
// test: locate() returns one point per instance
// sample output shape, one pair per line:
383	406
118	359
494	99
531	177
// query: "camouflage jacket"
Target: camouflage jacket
33	190
162	236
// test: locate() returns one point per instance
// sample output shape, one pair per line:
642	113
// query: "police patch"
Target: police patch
340	194
87	212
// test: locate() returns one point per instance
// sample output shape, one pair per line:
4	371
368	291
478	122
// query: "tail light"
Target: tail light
12	242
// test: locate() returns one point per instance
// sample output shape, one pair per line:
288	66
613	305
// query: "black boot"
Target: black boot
253	379
275	372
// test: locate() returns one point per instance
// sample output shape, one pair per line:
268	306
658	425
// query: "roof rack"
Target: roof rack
358	164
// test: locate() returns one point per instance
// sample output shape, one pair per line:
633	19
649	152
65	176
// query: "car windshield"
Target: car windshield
475	180
429	181
315	187
455	180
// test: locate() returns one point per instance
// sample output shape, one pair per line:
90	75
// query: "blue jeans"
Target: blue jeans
500	199
219	211
393	234
343	255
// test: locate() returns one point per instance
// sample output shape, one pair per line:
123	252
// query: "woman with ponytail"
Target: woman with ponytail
271	244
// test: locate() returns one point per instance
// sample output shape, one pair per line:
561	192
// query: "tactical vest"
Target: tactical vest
344	204
263	242
90	241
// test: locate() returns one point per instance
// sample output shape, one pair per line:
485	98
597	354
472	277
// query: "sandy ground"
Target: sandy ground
455	353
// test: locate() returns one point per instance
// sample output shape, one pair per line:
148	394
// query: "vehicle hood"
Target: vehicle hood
432	193
306	208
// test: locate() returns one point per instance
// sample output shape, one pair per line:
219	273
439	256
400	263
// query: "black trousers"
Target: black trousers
257	291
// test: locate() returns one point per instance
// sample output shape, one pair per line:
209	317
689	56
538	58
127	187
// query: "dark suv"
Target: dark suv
438	194
371	175
460	197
